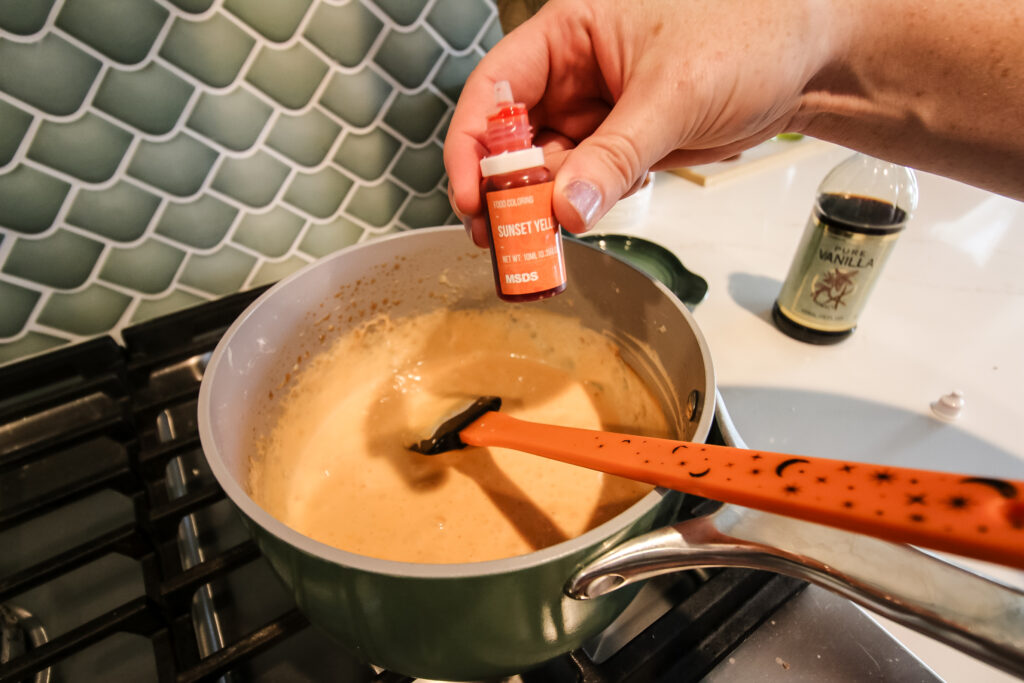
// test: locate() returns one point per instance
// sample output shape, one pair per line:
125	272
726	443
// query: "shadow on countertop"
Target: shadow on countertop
842	427
755	293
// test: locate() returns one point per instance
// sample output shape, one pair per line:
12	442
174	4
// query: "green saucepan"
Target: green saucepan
455	621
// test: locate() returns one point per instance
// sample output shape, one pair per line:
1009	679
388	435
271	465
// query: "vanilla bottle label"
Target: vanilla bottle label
837	266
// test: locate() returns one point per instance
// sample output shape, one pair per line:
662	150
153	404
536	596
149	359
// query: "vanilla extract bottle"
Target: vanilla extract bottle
861	208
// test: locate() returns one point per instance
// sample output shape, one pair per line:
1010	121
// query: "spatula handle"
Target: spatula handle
972	516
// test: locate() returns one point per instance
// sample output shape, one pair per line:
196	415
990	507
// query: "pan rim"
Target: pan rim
595	539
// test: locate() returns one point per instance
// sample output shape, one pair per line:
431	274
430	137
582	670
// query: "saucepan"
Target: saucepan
491	619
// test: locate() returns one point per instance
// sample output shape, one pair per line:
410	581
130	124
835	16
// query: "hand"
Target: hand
619	87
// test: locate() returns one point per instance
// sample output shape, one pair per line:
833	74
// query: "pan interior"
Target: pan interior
422	271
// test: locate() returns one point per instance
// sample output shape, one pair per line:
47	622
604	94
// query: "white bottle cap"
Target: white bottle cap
948	407
507	162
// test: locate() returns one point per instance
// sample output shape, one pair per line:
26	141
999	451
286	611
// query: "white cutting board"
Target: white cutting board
772	153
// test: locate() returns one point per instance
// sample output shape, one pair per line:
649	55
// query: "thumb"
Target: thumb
605	165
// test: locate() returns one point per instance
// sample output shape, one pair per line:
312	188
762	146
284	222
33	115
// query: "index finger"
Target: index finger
521	58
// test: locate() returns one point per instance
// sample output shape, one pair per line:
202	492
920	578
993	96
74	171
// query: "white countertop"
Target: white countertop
948	313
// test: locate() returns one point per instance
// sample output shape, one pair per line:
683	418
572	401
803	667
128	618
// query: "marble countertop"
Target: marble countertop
947	314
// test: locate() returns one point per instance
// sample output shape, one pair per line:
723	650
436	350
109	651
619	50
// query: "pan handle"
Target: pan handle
980	617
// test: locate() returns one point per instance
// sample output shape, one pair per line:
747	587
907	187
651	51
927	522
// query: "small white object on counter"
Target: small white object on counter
949	406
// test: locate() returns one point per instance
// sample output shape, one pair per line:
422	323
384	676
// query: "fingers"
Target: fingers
475	224
463	149
521	58
476	228
606	165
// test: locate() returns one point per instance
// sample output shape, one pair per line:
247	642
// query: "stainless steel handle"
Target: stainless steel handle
980	617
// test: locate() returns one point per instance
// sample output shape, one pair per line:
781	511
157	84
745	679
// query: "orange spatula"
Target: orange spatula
973	516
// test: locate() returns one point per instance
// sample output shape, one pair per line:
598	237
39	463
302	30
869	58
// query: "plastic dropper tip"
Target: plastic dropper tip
502	92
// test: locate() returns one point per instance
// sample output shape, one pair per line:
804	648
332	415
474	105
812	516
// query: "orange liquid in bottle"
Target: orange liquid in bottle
526	244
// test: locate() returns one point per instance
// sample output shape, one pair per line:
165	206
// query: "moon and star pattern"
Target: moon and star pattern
972	516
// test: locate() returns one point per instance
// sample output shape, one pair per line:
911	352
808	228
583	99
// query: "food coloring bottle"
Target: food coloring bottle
862	206
526	244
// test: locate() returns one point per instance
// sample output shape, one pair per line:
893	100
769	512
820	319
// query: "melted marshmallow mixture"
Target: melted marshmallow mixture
336	466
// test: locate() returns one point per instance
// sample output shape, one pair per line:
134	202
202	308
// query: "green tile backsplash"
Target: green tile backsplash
344	33
120	212
377	204
368	155
289	76
202	223
177	165
156	154
409	57
61	260
18	305
423	212
150	99
356	98
149	267
50	74
252	180
327	238
89	311
169	303
304	138
271	234
24	17
123	30
233	119
194	6
318	194
276	21
456	20
416	116
222	272
14	123
29	344
30	200
402	12
212	51
420	168
89	148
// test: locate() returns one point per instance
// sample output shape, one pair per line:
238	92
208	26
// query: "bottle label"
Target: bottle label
832	275
527	244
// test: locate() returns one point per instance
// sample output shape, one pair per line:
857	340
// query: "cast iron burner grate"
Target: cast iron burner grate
117	541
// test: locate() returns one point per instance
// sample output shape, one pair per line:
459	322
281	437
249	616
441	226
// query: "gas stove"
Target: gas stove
123	560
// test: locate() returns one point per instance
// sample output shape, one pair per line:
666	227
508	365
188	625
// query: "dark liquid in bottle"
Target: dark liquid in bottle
860	214
851	213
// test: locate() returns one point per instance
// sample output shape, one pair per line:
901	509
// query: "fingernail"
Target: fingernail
467	223
585	197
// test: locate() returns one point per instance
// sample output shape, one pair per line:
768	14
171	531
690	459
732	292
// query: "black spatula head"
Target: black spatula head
446	436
